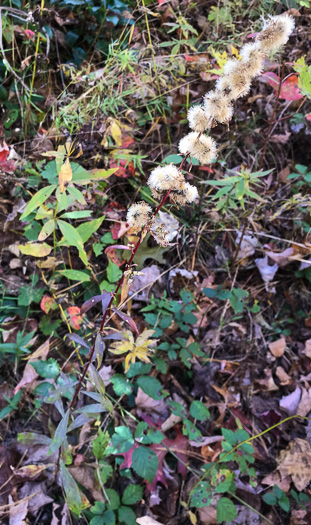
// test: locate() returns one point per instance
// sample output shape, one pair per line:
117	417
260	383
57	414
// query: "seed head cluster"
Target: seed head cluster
217	107
237	76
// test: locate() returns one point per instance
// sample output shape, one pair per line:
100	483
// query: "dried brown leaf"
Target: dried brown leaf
277	348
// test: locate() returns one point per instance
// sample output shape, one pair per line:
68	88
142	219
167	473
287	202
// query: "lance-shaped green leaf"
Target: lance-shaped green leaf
73	238
72	493
87	229
99	349
60	434
39	198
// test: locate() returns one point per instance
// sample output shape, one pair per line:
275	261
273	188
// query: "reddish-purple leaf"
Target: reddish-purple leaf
104	297
77	339
289	88
126	318
117	247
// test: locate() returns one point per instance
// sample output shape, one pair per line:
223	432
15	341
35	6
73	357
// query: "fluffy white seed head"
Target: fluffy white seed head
201	148
165	178
276	32
236	80
252	58
139	215
217	106
190	192
198	120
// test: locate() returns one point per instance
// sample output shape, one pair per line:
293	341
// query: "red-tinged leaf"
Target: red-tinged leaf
271	78
127	141
126	318
290	90
113	257
116	247
75	317
252	35
308	117
7	166
30	34
104	297
206	168
4	151
77	339
124	170
48	303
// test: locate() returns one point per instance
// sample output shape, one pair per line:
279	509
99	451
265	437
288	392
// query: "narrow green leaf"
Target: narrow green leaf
73	238
75	275
39	198
73	498
60	434
87	229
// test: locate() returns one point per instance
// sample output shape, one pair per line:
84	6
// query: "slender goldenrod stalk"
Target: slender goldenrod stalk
168	181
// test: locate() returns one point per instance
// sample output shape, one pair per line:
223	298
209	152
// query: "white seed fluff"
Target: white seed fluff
166	178
190	192
276	32
217	106
203	149
252	58
198	120
138	215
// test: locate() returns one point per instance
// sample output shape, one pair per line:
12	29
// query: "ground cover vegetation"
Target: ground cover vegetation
155	309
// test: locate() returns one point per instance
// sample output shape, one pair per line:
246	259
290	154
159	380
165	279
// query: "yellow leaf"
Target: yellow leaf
235	52
35	249
192	517
65	175
115	131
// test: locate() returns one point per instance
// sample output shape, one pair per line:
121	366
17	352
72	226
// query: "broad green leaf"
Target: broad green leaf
121	385
75	275
201	496
175	159
39	198
122	440
269	498
76	194
31	438
145	463
100	444
72	493
114	499
126	515
87	229
151	386
132	494
113	272
73	238
46	230
199	411
48	369
225	510
60	434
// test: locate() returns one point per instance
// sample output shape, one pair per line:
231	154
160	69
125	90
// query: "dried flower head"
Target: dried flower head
139	215
164	178
161	235
201	148
253	58
134	349
276	32
188	195
198	120
217	106
236	80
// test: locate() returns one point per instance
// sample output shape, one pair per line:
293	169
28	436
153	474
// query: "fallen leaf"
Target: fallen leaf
281	258
283	174
267	272
275	479
304	406
35	249
36	491
147	520
85	475
291	402
248	245
282	376
277	348
289	89
307	349
143	401
295	461
17	512
29	374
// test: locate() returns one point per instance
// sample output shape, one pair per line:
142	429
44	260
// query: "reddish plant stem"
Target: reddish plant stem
128	264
